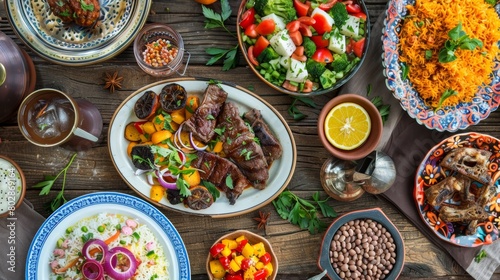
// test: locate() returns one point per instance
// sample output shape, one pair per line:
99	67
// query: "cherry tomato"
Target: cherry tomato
216	249
266	27
251	57
357	47
353	8
296	37
319	41
304	30
328	5
247	18
323	55
225	261
251	32
302	8
233	277
321	24
260	274
293	25
260	45
360	15
306	20
266	258
241	245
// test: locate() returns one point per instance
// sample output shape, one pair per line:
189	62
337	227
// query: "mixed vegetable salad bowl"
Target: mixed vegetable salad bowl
303	48
242	254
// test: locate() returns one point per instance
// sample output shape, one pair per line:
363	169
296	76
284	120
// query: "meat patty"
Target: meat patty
82	12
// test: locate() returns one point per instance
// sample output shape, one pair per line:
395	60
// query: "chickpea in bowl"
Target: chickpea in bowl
303	47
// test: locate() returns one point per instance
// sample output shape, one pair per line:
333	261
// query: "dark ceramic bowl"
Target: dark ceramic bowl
339	83
374	214
376	127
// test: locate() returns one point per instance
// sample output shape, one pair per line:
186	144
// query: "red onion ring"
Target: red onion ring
163	182
111	270
92	270
191	141
94	243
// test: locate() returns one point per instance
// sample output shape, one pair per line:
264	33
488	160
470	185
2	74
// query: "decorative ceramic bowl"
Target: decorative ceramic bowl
341	81
12	186
157	42
252	239
376	127
376	215
449	118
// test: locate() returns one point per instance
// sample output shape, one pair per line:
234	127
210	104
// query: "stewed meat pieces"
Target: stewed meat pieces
221	172
82	12
239	144
270	145
202	123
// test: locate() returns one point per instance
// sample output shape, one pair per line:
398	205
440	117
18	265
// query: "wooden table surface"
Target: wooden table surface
93	170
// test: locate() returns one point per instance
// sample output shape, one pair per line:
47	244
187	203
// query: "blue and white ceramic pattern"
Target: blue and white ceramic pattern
70	44
449	118
37	265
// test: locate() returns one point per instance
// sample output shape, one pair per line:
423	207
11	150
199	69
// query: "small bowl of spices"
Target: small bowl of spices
159	51
362	244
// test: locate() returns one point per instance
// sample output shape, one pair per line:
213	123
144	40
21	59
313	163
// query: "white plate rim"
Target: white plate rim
283	167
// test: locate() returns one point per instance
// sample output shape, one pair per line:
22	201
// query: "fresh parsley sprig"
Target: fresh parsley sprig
302	212
383	109
49	181
458	39
216	20
446	94
295	112
480	256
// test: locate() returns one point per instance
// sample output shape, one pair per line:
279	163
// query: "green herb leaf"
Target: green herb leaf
447	94
428	54
480	256
458	38
229	182
302	212
404	71
86	7
295	112
212	189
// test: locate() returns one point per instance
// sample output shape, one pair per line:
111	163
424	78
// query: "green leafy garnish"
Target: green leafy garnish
229	182
49	181
216	20
86	7
295	112
458	39
211	188
302	212
447	94
428	54
404	71
480	256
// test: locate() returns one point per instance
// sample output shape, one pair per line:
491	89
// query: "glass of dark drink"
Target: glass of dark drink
49	117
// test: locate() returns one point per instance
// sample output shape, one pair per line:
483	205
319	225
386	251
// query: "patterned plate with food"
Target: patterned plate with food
457	190
73	40
482	100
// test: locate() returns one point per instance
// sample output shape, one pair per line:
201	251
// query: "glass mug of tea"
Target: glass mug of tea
49	117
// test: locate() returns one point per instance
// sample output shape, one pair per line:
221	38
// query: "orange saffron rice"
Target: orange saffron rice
426	28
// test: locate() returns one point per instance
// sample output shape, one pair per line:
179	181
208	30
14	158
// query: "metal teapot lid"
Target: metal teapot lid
17	76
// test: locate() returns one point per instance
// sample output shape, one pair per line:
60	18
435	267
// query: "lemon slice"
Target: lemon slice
347	126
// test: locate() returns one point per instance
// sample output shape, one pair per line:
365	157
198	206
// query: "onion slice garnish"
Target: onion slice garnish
115	272
92	270
163	182
179	138
90	245
191	141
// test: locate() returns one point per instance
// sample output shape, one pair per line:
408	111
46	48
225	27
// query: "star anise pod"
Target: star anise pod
262	219
113	82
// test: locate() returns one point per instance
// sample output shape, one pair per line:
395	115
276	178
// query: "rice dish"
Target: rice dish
77	246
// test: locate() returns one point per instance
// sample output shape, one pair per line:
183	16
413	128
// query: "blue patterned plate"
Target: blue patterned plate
37	265
73	45
450	118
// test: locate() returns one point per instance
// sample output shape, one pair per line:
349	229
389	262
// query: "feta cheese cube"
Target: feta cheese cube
297	71
337	42
351	27
282	43
280	23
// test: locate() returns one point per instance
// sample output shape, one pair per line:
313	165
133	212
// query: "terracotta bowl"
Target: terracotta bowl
375	134
252	239
12	186
374	214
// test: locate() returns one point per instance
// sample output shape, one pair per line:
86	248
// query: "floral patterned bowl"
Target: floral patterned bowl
430	172
449	118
